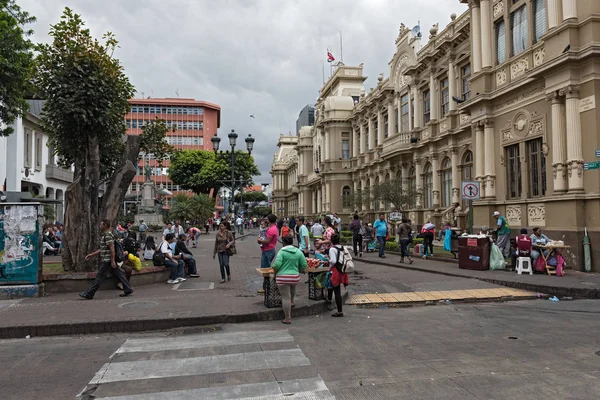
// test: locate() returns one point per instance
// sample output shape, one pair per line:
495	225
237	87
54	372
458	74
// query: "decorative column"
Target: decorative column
476	36
479	152
437	187
417	116
380	134
574	143
569	9
433	98
455	175
355	140
363	185
418	180
381	180
452	84
371	133
490	168
391	118
486	34
363	143
554	13
326	145
559	143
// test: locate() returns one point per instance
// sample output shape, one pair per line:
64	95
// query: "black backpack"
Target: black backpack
119	254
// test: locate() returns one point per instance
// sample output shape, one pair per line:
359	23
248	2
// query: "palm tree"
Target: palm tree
202	207
181	208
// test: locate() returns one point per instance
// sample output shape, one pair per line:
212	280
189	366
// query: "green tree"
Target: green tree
260	211
196	208
181	208
87	95
397	192
201	170
251	197
203	207
16	62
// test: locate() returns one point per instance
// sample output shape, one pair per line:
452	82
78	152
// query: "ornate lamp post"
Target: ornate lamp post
232	142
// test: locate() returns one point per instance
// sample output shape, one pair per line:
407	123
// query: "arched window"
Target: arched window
428	186
375	195
446	182
412	180
346	197
467	172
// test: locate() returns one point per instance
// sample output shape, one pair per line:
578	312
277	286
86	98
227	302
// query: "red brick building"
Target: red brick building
195	122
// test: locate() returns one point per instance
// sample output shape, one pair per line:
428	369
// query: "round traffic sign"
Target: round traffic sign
470	191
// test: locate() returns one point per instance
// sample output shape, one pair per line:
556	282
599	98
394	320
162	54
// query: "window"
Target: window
201	141
396	122
537	168
500	42
445	97
133	109
539	19
404	113
513	171
446	182
428	186
412	113
367	141
466	85
426	106
28	147
345	149
519	30
38	152
386	126
152	110
51	155
467	171
146	109
346	197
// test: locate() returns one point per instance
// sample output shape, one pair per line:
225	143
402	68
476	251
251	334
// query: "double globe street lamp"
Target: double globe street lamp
232	142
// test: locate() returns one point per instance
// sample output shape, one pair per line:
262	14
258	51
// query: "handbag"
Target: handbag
158	258
231	250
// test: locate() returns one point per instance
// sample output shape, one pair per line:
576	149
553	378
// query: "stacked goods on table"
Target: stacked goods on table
314	263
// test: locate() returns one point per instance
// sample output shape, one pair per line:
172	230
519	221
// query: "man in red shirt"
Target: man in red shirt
269	243
523	242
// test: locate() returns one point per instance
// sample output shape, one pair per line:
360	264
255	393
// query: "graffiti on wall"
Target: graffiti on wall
19	243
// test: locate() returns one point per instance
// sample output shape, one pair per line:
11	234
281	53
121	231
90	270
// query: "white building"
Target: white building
27	163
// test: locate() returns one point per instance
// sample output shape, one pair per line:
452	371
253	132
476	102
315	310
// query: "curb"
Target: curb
580	293
125	326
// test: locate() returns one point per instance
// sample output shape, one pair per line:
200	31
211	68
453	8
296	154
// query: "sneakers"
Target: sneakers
194	276
172	281
179	280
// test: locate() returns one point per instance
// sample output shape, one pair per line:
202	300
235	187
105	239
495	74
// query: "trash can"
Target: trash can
474	252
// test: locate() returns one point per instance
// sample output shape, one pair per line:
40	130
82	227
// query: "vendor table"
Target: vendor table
551	250
272	295
314	292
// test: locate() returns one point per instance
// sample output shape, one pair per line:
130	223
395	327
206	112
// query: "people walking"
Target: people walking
404	233
337	278
239	223
269	242
108	263
503	231
357	237
223	241
428	233
142	229
380	227
288	265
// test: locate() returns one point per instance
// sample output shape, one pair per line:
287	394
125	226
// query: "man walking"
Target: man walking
303	243
380	227
143	228
356	228
239	222
269	243
503	231
108	264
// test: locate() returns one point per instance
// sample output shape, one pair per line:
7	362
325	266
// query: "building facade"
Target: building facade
28	164
504	95
306	117
194	122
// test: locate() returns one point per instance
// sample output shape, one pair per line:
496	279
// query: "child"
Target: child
262	232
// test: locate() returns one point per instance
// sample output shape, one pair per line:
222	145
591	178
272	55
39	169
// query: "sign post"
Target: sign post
470	191
591	165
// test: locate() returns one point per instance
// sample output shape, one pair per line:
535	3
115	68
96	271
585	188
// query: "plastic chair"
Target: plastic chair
524	265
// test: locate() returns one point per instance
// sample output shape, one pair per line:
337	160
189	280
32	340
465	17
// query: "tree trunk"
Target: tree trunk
119	182
81	235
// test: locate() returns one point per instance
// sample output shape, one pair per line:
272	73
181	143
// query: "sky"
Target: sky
252	57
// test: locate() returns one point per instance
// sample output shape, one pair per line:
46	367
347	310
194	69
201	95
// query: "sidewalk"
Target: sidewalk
574	284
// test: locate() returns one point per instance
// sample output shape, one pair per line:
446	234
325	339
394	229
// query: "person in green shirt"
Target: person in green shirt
503	231
288	265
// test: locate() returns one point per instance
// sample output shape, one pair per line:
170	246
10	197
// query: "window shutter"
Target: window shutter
500	42
540	19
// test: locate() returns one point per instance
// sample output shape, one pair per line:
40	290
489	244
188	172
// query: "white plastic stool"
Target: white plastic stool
524	265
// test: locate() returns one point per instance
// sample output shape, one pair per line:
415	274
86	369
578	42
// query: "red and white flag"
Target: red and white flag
330	57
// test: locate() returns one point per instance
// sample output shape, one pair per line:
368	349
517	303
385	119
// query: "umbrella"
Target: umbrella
428	226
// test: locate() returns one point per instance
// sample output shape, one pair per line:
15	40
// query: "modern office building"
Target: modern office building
306	118
194	121
505	96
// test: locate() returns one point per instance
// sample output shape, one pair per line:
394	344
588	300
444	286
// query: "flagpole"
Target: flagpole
323	68
341	51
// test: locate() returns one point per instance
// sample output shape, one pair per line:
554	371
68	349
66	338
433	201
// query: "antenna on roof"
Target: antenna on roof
177	92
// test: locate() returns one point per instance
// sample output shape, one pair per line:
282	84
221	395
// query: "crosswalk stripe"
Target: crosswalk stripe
149	369
205	340
294	389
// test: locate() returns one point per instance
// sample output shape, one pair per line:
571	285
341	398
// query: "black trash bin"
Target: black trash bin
473	253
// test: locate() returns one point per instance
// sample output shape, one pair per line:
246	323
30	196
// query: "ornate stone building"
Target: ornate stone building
504	95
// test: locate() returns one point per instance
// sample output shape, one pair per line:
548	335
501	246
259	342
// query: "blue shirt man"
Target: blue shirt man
380	227
303	243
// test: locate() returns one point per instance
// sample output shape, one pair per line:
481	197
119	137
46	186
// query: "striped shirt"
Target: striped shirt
287	279
106	240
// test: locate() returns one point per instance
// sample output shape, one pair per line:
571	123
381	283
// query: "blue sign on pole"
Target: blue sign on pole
597	153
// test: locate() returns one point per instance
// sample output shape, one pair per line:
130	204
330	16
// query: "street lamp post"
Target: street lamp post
232	142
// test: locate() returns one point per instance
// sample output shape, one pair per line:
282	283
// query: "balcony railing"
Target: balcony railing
397	142
58	173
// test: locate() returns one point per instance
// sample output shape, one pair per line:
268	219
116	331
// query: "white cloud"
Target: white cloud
260	57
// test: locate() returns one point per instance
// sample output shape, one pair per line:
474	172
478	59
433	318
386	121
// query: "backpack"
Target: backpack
119	255
344	262
158	258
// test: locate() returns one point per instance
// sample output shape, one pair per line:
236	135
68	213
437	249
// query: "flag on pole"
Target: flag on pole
330	57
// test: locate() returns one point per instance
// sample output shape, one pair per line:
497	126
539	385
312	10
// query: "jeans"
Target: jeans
404	248
176	268
240	229
224	264
103	274
381	241
266	258
357	244
190	263
428	243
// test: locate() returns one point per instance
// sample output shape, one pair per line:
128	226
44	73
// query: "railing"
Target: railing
58	173
399	141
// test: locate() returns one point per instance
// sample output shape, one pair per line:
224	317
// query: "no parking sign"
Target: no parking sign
470	190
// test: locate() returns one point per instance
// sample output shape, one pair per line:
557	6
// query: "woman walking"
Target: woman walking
224	239
404	235
337	278
290	261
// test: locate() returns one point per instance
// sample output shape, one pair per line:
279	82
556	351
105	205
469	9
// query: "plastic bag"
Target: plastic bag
448	240
496	258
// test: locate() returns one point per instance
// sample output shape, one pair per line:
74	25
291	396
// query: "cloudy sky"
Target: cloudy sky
260	57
